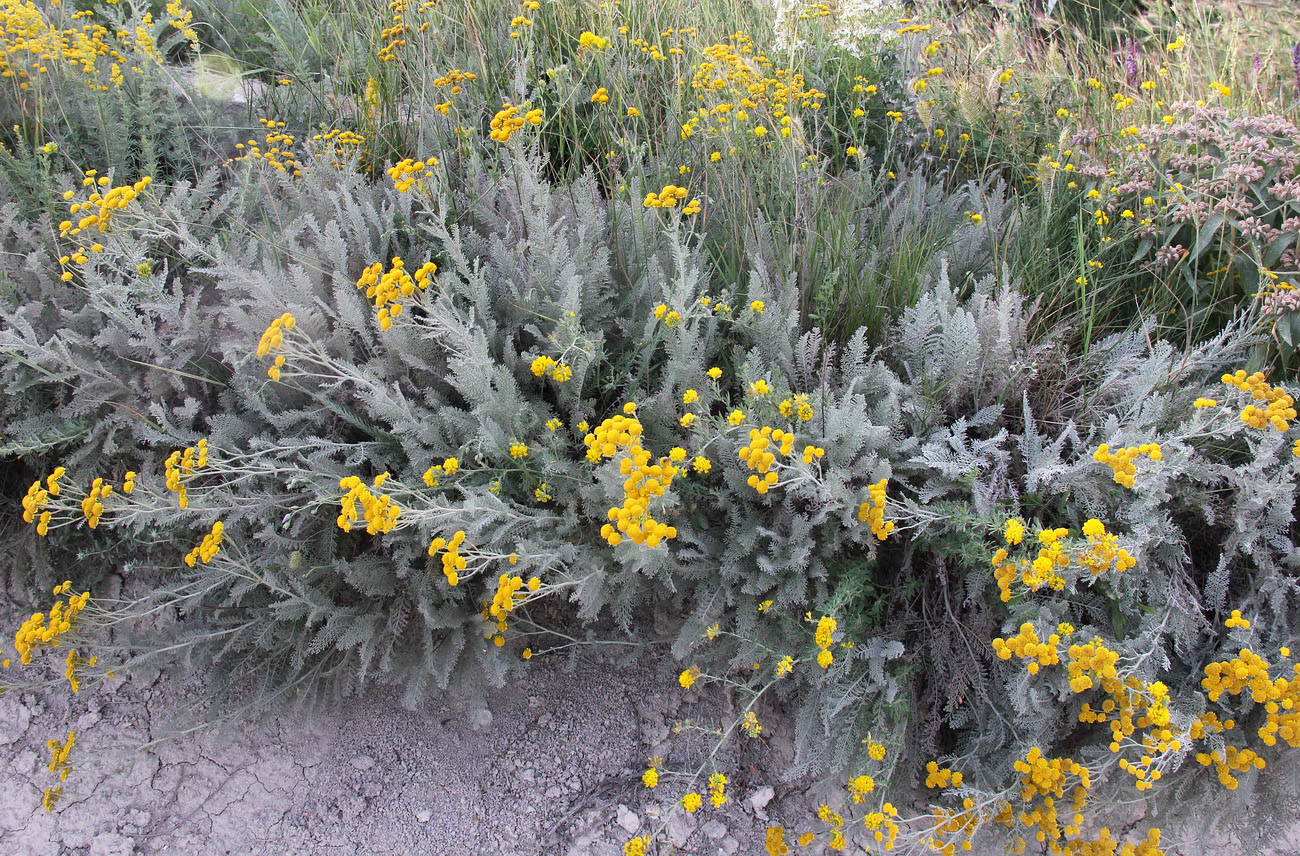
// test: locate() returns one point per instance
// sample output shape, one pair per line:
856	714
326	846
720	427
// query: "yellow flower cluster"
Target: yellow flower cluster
1026	644
452	561
275	149
555	370
688	677
380	512
1237	621
38	497
1230	760
621	434
883	825
1102	554
505	600
670	317
591	42
433	475
98	208
30	46
650	778
273	340
953	828
741	89
717	789
872	512
1121	460
385	288
207	550
824	637
507	121
92	506
797	406
1280	698
941	777
406	172
1279	410
774	842
39	632
860	786
667	197
180	464
760	461
636	847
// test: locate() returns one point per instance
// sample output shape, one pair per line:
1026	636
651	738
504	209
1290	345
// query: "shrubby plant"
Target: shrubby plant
420	419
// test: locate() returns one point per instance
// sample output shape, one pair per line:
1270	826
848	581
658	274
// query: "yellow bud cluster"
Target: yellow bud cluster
380	513
434	474
860	786
1247	671
941	777
1279	410
39	632
180	464
1027	645
385	288
452	561
760	461
128	482
406	172
73	662
872	512
59	752
883	825
557	371
99	208
273	340
1121	460
1092	664
92	507
207	550
507	121
667	197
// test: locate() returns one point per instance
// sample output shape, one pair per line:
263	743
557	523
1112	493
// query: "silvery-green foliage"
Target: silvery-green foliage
117	369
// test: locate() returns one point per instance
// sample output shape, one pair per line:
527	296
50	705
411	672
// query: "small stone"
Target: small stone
481	719
528	774
14	720
544	720
112	844
628	819
25	762
728	846
87	720
424	815
761	797
362	762
554	792
714	830
679	828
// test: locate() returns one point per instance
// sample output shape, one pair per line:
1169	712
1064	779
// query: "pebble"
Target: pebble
714	830
362	762
728	846
424	815
14	720
628	819
481	719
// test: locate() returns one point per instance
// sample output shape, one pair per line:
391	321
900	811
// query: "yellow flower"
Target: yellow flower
736	417
825	658
691	802
1014	532
518	450
760	131
701	464
688	676
650	778
758	306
